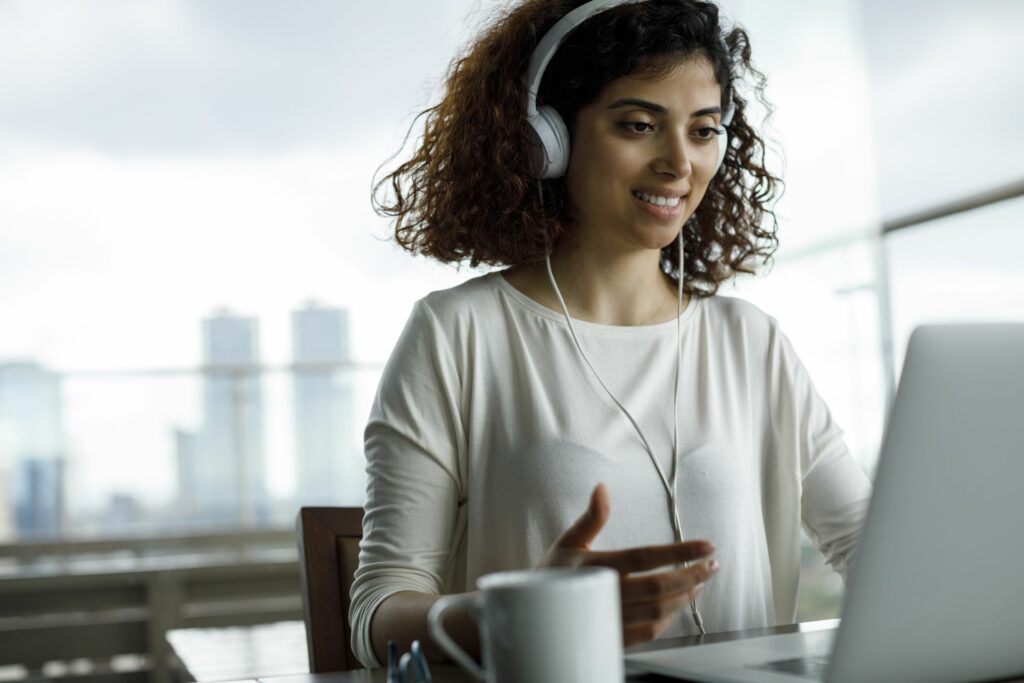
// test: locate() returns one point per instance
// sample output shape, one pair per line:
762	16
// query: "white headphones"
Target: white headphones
550	135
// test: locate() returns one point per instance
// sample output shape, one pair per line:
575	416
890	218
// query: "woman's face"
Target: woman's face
644	142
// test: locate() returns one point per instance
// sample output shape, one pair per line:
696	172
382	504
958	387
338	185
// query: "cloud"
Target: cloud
946	111
160	159
181	77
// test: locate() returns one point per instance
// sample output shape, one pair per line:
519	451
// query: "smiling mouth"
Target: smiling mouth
656	200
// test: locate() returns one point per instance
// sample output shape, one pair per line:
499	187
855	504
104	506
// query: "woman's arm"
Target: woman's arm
403	619
415	510
834	491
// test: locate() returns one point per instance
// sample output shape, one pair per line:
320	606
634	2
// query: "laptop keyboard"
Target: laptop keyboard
812	667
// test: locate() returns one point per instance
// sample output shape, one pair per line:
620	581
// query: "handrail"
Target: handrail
224	369
239	540
975	201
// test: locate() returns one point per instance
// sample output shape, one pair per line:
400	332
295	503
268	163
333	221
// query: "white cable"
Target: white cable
675	413
670	489
583	355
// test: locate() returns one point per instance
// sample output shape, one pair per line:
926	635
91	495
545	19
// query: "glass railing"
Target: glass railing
177	452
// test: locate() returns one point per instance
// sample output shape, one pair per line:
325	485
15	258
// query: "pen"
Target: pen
419	664
394	676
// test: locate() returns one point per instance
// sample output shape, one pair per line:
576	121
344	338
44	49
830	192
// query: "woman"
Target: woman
576	407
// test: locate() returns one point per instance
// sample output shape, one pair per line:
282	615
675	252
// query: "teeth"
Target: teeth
656	200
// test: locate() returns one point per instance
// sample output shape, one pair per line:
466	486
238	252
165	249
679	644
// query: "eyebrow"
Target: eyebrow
659	109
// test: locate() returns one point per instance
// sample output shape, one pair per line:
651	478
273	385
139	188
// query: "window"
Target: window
192	267
179	181
964	268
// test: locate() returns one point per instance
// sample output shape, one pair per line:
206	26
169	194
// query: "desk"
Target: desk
240	652
449	673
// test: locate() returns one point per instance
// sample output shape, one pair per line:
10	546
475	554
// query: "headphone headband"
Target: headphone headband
552	40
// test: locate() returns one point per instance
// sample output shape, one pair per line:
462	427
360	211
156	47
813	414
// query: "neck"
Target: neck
614	288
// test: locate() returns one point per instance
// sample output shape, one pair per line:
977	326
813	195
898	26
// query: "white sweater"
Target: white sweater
488	435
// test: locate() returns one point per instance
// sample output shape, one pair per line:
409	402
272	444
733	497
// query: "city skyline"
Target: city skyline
224	464
323	407
32	448
220	480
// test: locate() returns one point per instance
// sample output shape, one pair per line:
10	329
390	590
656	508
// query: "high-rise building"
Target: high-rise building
7	533
187	453
31	450
329	463
226	471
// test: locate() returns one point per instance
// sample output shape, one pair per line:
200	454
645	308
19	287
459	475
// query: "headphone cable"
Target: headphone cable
670	488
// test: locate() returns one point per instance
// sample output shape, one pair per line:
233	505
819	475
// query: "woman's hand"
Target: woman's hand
649	602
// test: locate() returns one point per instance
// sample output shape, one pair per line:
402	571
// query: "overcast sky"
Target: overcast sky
177	78
161	159
948	96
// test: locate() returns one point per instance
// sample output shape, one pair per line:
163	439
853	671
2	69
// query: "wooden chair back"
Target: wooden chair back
328	540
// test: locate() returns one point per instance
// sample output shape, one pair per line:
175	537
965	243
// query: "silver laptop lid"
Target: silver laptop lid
936	592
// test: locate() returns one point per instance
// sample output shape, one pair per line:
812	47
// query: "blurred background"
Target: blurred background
196	298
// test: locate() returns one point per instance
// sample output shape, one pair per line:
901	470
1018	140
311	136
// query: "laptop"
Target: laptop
936	590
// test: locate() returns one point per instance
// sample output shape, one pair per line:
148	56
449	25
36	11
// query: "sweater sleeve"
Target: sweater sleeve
834	491
414	442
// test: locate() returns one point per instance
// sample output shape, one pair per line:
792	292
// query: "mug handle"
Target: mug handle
437	632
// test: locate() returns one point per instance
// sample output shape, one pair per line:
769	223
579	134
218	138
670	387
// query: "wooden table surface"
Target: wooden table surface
450	673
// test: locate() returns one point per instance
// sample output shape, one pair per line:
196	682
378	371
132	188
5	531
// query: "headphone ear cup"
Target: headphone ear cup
550	149
723	146
723	139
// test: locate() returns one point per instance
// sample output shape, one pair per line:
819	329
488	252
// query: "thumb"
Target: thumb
585	529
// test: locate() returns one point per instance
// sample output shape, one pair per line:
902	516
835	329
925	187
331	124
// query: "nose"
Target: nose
674	156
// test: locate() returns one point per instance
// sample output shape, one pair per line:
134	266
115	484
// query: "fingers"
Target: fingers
656	610
643	626
586	528
667	584
652	556
651	602
633	635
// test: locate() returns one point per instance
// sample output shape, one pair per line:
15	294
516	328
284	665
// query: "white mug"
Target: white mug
541	626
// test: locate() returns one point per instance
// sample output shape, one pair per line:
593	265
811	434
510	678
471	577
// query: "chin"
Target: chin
664	238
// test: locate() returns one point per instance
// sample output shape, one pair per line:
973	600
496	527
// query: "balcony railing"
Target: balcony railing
180	452
100	610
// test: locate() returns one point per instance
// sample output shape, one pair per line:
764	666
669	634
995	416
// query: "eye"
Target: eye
636	127
706	134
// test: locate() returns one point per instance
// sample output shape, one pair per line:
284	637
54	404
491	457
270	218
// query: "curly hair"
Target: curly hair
468	193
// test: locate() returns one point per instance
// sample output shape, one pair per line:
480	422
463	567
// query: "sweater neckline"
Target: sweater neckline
584	325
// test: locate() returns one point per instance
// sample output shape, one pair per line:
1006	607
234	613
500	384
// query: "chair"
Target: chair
328	539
